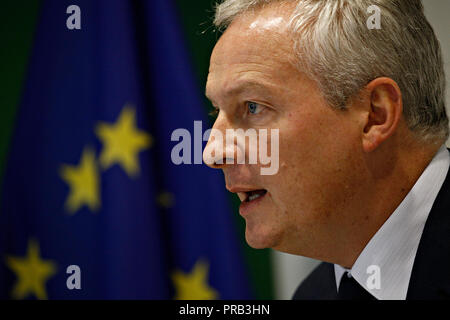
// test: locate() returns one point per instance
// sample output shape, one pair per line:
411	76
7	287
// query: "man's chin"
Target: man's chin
261	240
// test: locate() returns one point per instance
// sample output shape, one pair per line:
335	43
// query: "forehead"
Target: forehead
256	45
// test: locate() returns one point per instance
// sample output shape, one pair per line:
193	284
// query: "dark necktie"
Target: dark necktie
350	289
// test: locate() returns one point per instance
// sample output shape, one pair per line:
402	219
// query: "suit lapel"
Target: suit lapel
319	285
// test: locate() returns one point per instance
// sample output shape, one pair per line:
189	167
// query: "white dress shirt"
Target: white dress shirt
393	248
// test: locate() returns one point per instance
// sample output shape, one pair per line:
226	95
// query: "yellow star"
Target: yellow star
122	142
83	181
194	285
32	273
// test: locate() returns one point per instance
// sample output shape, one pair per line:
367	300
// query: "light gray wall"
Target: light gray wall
290	270
438	13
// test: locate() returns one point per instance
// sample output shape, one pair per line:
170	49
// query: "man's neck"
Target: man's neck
387	185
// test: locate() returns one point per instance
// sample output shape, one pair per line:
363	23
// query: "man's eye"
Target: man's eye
254	108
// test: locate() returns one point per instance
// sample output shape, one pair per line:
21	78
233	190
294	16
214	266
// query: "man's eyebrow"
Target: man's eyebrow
240	86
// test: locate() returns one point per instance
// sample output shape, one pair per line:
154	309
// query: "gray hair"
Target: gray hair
336	49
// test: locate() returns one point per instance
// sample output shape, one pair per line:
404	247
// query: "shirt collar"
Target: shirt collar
393	248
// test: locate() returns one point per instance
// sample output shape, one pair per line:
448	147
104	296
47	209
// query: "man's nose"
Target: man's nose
221	150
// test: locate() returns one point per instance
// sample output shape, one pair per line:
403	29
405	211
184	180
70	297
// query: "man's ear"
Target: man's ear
385	111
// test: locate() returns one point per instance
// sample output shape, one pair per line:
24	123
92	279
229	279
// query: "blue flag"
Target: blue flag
93	206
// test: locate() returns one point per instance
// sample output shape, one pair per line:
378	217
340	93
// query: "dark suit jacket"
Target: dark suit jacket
430	277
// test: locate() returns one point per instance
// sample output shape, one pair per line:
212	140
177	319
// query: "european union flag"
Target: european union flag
92	205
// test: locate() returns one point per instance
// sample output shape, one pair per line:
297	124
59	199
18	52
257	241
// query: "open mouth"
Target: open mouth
251	200
253	195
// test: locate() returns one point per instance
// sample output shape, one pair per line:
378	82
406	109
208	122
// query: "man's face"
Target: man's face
298	213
